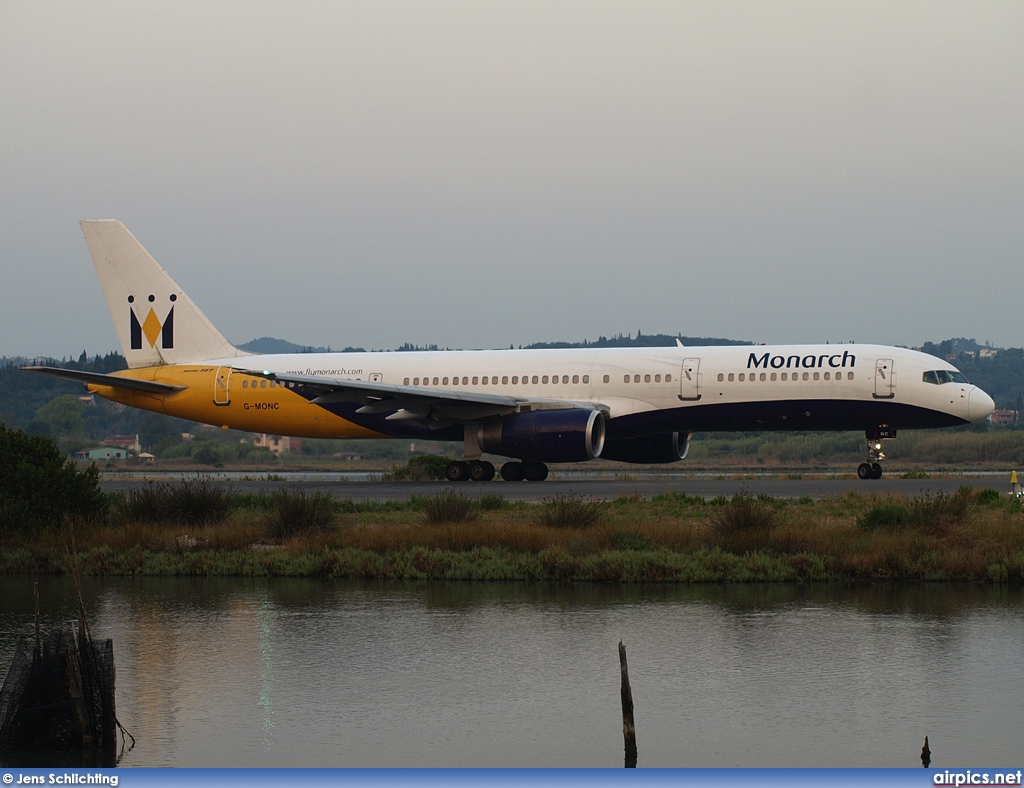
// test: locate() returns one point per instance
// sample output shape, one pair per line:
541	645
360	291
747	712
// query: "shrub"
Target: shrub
745	513
886	515
423	468
193	501
569	511
744	524
492	502
989	497
39	487
293	513
938	512
449	507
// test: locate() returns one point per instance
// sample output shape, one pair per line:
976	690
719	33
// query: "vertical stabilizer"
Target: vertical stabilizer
155	321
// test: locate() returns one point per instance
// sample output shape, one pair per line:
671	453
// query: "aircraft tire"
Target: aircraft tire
876	471
535	471
457	471
481	471
512	472
864	471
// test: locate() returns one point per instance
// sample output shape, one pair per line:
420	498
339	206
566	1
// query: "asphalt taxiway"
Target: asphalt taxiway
595	489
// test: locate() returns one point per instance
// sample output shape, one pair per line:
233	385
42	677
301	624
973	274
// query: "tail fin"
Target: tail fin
155	321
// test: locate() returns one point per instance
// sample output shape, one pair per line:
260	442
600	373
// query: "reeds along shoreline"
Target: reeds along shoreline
672	538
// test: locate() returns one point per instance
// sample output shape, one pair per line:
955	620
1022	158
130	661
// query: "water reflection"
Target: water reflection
230	672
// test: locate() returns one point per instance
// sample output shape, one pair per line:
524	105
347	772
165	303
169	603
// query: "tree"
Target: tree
39	487
64	415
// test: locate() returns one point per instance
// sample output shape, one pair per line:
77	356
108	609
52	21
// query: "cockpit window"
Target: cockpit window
941	376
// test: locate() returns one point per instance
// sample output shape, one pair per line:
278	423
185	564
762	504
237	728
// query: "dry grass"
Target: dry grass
955	537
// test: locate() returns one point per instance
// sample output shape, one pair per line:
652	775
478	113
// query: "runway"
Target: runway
597	489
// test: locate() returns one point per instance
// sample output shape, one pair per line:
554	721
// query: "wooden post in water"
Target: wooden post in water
628	729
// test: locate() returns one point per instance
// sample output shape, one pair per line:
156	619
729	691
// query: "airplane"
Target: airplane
535	407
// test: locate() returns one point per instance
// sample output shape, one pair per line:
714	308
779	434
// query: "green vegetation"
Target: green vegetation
569	511
40	487
449	506
673	538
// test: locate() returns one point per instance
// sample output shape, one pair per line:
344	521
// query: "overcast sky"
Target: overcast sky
477	174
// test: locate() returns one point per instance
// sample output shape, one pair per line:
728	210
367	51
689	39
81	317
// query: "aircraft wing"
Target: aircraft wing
114	381
436	408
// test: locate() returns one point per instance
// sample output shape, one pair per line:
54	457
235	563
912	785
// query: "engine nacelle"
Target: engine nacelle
650	449
571	435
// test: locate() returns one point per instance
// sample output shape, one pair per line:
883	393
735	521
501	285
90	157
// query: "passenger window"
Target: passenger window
535	379
504	380
475	379
763	376
816	376
565	378
743	377
483	381
849	375
668	378
731	377
544	379
773	376
586	379
625	378
575	378
721	377
515	379
263	384
636	378
607	379
657	378
415	381
807	376
435	381
647	378
826	375
785	376
245	384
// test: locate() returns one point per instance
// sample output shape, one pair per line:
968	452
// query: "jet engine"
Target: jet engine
650	449
570	435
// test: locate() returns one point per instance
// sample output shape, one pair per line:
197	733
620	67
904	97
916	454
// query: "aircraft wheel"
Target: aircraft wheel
457	471
876	471
481	471
512	471
864	471
535	471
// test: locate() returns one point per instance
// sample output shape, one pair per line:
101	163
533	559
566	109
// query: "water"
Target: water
296	672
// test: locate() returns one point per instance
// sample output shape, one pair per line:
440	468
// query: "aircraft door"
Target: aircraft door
220	386
689	380
885	379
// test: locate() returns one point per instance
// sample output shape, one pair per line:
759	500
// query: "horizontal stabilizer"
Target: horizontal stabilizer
114	381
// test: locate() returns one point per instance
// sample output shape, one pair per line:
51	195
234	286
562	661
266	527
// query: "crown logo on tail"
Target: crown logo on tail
152	328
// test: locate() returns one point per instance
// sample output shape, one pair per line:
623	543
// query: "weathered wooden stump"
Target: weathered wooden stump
628	728
59	696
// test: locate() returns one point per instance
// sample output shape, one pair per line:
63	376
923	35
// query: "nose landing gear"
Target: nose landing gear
872	469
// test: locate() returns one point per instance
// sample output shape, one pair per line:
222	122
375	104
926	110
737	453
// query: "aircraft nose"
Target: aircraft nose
979	405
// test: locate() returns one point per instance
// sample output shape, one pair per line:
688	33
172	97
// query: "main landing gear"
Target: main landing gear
483	471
